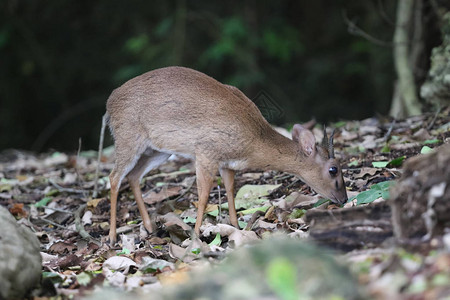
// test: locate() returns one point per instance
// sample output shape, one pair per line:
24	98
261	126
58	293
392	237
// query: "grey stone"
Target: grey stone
20	259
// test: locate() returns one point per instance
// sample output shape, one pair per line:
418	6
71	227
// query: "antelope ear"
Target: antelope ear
305	138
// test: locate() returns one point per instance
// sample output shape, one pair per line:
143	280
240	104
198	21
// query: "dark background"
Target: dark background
61	59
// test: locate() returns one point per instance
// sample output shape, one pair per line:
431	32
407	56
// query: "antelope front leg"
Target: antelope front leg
112	222
228	180
204	184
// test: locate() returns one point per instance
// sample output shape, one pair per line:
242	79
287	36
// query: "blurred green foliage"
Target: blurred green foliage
61	59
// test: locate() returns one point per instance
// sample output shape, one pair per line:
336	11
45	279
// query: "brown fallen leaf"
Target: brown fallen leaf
154	197
62	247
94	202
171	219
92	265
404	146
209	207
69	261
366	171
422	135
176	277
17	210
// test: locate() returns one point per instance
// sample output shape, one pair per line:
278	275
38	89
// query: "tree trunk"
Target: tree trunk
407	102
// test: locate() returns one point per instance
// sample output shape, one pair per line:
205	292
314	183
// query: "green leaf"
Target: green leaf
89	154
84	278
213	213
297	213
353	163
282	278
249	195
426	150
351	199
435	141
52	192
380	164
385	149
124	251
189	220
54	277
253	210
339	124
381	186
396	162
376	191
367	196
242	224
196	251
321	201
441	279
217	240
43	202
56	154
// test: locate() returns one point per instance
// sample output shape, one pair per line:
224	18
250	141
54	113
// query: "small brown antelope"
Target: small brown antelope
176	110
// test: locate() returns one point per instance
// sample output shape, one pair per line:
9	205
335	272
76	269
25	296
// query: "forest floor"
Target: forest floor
52	194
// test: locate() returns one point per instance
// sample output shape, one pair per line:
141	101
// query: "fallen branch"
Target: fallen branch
389	132
99	157
68	190
80	228
434	118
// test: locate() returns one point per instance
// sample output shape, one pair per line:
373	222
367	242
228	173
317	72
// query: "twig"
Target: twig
383	13
219	215
282	177
58	210
80	179
434	118
253	219
99	157
67	190
355	30
173	174
389	132
186	191
292	183
80	228
54	224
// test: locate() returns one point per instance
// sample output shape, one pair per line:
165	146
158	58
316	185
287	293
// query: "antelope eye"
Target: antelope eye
333	171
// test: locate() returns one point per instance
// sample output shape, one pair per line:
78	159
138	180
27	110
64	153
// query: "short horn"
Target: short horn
330	145
325	138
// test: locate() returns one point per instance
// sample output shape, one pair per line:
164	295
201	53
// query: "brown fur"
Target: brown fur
179	110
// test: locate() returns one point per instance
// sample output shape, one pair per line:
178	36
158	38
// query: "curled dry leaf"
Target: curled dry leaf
171	219
235	236
153	264
114	278
128	241
366	171
87	218
62	247
118	263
